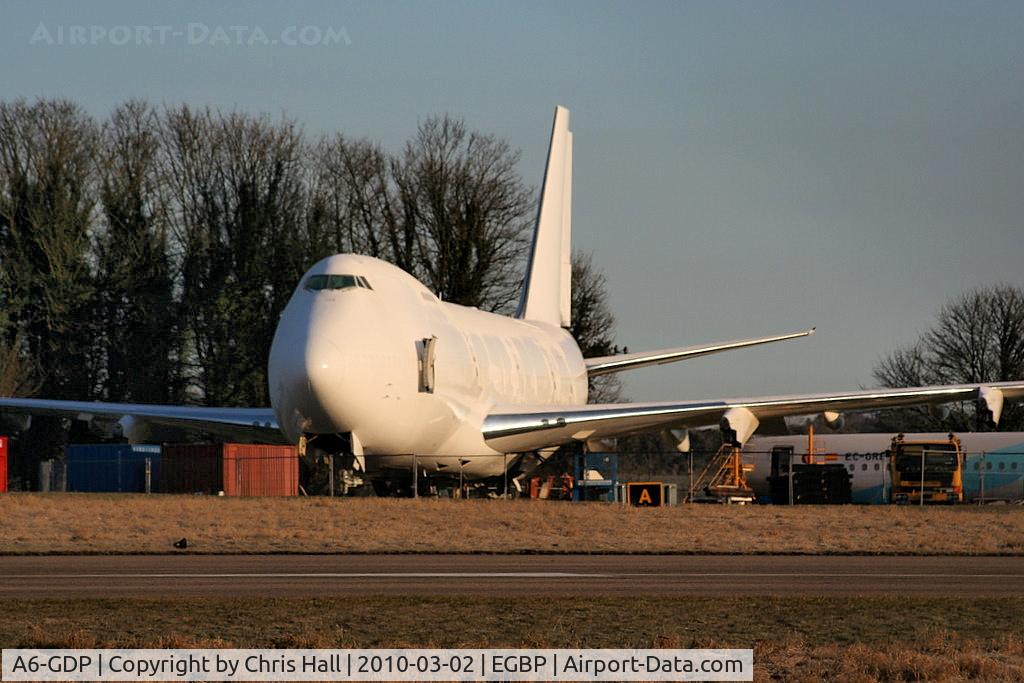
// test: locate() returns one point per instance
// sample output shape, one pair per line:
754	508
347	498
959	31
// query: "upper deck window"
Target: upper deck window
316	283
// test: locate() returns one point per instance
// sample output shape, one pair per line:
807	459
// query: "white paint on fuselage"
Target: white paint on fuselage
347	360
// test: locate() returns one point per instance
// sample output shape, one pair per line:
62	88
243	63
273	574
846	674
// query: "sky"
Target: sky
741	168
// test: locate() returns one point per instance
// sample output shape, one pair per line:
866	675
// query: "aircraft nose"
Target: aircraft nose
322	363
308	373
325	360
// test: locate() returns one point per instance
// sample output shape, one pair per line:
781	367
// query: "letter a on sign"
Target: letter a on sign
647	493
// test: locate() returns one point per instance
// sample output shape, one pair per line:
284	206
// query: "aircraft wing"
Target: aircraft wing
605	365
518	430
135	420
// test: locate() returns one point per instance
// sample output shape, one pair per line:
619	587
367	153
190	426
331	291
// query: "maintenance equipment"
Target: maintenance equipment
552	487
724	478
595	476
812	482
927	471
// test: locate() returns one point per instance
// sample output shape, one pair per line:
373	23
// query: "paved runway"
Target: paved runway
503	575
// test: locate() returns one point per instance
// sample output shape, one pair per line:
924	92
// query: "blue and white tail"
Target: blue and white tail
547	290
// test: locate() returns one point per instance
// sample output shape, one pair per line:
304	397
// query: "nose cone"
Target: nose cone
319	361
323	363
309	383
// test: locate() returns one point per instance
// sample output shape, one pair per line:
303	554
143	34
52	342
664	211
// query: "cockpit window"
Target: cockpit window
316	283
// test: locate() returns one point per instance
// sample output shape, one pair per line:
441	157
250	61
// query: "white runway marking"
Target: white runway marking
512	575
322	575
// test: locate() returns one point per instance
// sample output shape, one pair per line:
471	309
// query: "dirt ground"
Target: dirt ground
109	523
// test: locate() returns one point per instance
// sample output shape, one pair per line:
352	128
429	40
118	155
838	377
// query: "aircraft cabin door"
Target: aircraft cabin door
781	457
427	352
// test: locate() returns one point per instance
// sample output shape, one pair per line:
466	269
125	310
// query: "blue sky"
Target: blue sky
741	168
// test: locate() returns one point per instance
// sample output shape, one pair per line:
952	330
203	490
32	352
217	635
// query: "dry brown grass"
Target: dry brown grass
944	658
794	639
102	523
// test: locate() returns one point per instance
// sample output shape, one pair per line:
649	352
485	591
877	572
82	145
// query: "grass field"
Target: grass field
849	639
107	523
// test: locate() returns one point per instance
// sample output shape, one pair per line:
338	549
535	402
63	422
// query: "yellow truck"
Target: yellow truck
926	471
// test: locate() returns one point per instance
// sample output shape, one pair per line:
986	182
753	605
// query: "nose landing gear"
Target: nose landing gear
330	464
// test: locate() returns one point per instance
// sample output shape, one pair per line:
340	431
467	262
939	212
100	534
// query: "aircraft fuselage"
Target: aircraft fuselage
348	357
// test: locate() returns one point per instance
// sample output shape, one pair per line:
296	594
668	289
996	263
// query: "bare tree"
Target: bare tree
593	324
18	377
977	337
46	210
138	336
354	203
237	195
469	211
47	197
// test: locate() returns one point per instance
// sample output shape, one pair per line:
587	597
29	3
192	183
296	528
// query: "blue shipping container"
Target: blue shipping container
111	467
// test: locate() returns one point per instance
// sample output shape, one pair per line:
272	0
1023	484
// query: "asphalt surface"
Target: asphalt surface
71	576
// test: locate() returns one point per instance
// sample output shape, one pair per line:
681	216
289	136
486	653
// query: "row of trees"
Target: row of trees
146	257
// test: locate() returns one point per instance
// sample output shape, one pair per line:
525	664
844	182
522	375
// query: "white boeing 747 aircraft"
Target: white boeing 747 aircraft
367	361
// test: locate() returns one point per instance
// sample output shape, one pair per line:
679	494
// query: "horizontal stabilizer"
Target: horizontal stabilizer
605	365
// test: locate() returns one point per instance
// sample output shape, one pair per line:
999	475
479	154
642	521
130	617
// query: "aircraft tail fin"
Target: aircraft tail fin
547	293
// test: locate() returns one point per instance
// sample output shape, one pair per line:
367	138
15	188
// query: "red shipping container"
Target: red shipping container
259	470
236	469
3	463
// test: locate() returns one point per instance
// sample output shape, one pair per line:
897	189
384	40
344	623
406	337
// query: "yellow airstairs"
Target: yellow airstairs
725	477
